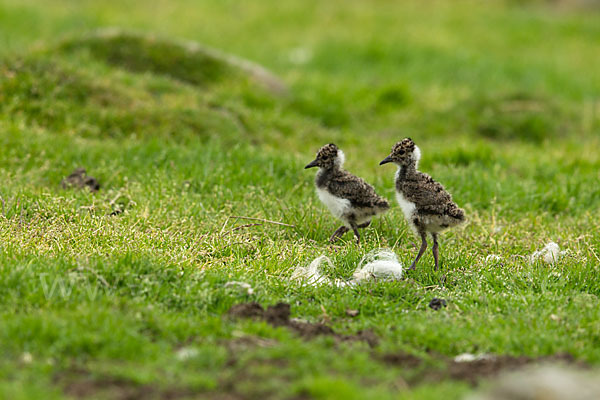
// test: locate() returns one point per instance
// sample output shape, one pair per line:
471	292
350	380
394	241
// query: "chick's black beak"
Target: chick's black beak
386	160
311	164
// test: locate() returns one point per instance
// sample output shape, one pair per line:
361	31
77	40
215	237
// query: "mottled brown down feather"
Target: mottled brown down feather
429	196
341	183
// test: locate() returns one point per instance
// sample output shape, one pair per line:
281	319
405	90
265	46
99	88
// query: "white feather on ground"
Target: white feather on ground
550	254
378	264
311	274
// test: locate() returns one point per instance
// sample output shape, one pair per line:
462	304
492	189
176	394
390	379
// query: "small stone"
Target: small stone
186	353
468	357
243	287
26	358
352	313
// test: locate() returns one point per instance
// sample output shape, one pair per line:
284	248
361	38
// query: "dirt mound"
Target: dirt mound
64	96
188	61
115	84
279	315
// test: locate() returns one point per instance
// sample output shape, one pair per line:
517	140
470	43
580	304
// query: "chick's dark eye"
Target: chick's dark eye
401	152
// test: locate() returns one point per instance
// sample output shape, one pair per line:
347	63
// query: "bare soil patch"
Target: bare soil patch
82	384
473	371
279	315
403	360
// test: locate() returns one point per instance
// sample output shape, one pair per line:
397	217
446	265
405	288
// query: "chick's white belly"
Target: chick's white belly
338	206
409	209
431	223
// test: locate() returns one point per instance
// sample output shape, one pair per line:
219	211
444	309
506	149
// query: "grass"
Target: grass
109	306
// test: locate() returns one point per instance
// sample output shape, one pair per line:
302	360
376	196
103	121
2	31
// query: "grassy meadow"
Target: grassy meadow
121	293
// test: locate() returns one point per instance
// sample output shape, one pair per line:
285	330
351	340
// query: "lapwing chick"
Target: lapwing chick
348	197
426	205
